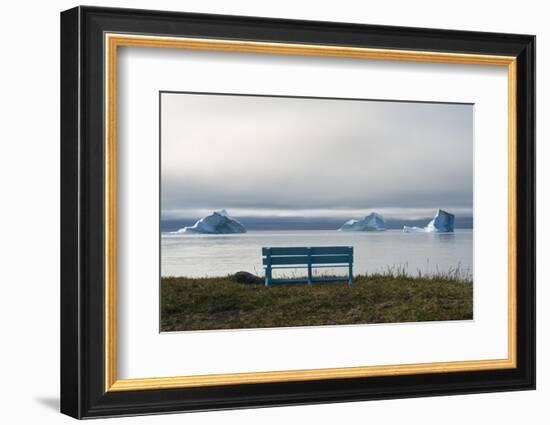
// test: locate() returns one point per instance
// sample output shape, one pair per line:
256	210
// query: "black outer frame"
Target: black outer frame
82	217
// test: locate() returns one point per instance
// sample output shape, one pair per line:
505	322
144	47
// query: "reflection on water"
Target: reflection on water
442	237
218	255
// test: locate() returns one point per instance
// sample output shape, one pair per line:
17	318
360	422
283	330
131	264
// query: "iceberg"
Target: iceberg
373	222
219	222
443	222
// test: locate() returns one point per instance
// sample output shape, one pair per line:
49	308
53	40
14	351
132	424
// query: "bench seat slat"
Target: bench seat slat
330	279
304	259
288	250
316	250
304	266
331	250
296	280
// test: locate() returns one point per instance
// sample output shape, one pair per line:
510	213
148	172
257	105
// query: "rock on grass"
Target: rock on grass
247	278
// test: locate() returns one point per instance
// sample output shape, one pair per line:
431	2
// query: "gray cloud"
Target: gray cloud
286	155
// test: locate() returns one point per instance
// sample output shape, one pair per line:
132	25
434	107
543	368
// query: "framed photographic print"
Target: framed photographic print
261	212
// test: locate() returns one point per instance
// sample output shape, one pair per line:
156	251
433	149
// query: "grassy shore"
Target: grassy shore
223	303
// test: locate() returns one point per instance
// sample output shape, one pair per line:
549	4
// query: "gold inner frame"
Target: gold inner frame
113	41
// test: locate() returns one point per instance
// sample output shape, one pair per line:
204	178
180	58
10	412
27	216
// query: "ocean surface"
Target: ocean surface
220	255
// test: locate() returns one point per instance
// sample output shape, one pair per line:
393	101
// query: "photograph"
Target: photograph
285	211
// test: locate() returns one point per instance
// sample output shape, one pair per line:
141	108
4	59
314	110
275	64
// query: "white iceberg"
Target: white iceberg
443	222
373	222
219	222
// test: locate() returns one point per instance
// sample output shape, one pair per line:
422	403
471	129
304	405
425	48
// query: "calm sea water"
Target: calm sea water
219	255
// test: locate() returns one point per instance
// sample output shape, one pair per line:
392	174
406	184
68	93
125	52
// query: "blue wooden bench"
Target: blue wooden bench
310	258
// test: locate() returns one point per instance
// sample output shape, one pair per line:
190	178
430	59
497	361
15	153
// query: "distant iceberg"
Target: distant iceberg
373	222
443	222
219	222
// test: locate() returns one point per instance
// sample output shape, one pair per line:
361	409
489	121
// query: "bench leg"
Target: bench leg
267	276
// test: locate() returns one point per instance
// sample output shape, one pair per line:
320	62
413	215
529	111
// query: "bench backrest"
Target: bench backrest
307	255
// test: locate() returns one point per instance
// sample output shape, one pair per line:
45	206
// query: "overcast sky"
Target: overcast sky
272	156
